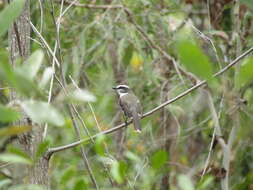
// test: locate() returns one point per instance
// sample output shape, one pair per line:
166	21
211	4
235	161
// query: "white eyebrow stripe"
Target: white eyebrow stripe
122	85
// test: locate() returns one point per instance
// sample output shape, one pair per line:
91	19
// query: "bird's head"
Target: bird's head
122	89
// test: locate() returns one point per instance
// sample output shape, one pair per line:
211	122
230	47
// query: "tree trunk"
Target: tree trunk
19	46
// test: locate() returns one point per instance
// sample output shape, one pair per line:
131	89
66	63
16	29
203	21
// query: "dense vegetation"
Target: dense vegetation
192	54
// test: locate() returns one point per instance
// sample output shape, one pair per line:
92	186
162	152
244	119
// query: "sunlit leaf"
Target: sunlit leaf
7	157
194	59
14	130
118	171
30	68
47	74
42	112
82	96
16	79
9	14
245	75
185	183
159	159
8	114
132	156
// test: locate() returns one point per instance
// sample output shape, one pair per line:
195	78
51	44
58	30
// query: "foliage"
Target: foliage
153	46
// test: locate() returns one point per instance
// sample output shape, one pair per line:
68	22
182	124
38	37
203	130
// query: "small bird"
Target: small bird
130	105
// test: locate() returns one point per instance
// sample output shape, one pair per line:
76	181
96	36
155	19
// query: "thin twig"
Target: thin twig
205	37
50	91
87	131
91	6
144	35
71	106
41	16
216	131
68	146
45	43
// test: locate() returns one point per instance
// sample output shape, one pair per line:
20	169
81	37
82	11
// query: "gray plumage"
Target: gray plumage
130	105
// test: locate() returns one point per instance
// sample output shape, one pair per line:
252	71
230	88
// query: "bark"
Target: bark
19	46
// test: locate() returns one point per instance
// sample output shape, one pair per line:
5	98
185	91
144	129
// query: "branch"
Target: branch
143	34
68	146
91	6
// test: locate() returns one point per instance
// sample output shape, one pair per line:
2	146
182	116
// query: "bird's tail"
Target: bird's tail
136	122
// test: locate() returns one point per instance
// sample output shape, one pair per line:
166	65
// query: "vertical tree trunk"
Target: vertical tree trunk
19	45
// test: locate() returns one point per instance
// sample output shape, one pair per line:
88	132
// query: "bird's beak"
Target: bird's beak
114	88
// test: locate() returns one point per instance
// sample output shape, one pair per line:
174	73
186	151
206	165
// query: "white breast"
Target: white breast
122	94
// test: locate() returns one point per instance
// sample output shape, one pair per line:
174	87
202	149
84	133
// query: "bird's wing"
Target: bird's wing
126	106
139	108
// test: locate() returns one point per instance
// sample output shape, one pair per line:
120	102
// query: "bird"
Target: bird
130	105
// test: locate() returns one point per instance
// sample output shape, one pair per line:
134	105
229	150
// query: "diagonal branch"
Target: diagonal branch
143	34
86	140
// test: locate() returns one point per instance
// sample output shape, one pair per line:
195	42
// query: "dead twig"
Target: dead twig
68	146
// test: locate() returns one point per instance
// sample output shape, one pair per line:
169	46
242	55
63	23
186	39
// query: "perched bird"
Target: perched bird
130	105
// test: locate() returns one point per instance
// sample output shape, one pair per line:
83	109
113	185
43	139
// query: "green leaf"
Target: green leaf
30	68
159	159
42	148
9	14
99	145
18	151
81	95
126	56
6	71
245	74
15	78
14	130
80	184
194	59
205	182
68	174
132	156
185	183
42	112
46	77
4	183
118	171
248	3
7	157
8	114
25	86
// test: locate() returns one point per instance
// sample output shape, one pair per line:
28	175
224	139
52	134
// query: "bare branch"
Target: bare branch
143	34
91	6
68	146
